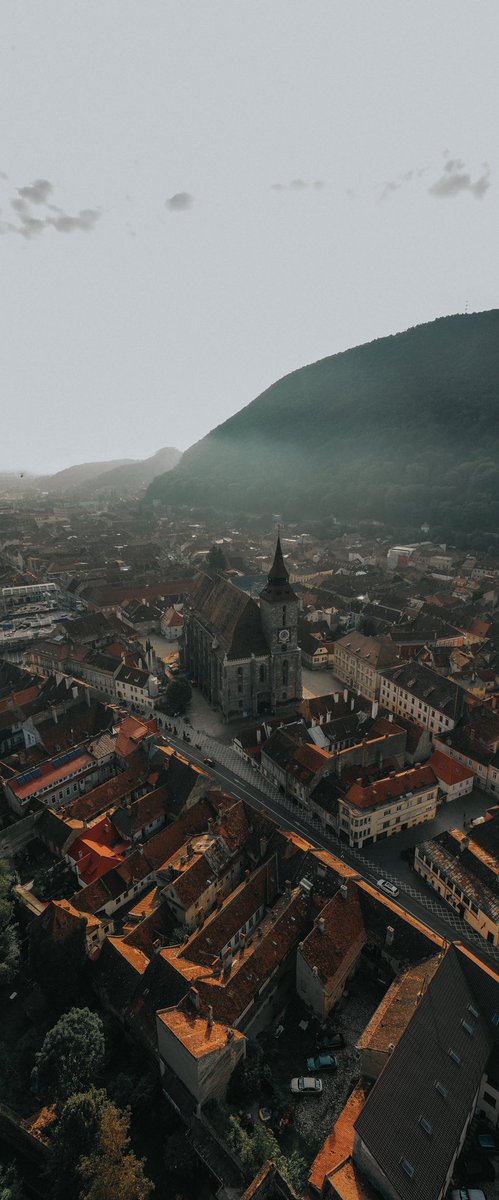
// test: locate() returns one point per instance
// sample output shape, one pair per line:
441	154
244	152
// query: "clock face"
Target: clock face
284	635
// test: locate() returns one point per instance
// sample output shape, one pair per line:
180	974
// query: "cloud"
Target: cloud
393	185
48	216
456	179
179	202
37	192
298	185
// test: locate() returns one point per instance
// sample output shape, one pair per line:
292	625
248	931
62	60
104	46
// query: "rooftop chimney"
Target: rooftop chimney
190	849
288	887
194	998
230	1035
344	891
315	971
210	1016
345	694
390	934
321	925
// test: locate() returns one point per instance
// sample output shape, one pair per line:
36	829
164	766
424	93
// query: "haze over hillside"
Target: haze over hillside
405	428
124	476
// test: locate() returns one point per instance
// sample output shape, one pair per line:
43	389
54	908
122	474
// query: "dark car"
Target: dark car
335	1042
486	1143
323	1062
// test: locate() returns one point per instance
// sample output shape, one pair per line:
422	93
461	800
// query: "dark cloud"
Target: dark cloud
37	192
456	179
180	202
48	216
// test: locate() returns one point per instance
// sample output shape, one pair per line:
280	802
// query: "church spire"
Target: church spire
278	573
278	587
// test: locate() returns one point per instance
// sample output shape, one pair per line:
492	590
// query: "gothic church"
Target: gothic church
244	655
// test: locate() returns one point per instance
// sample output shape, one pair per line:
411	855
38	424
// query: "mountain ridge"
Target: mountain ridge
86	480
405	426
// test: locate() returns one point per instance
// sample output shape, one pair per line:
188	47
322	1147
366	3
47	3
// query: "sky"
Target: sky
199	196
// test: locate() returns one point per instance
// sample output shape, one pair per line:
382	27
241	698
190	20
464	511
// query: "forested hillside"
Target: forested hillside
404	429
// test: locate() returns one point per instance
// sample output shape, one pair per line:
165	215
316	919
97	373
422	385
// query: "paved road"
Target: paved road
233	774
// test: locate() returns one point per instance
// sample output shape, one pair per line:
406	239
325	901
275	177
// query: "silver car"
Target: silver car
387	887
306	1085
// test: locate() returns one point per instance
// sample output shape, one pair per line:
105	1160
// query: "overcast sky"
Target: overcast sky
198	196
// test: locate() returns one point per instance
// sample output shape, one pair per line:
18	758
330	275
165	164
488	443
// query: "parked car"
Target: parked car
323	1062
486	1143
306	1085
467	1194
387	887
334	1042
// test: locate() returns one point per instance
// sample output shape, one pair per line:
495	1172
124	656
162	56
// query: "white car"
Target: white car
306	1085
387	887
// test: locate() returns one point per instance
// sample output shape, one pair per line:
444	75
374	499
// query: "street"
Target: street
236	776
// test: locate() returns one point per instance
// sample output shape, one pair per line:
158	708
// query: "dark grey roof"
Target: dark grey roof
428	686
133	676
230	616
406	1091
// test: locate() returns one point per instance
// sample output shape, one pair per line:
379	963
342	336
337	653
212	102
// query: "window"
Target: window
468	1027
455	1056
473	1011
426	1125
408	1167
441	1089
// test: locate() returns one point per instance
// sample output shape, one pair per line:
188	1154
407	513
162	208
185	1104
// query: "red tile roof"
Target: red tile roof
343	926
448	769
384	790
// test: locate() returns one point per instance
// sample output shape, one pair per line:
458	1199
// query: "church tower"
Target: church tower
279	613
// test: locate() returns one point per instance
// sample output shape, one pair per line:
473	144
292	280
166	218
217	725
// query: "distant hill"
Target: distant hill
403	429
123	476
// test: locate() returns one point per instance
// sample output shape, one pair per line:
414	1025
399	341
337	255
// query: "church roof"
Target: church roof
230	616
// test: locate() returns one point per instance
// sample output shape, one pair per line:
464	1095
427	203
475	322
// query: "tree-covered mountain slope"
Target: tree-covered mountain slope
404	428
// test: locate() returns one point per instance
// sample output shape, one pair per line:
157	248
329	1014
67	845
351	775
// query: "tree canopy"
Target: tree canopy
112	1171
178	696
9	941
71	1055
75	1137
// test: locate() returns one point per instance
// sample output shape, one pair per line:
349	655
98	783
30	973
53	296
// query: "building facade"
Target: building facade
244	655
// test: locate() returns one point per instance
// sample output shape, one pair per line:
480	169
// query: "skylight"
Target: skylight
441	1089
473	1011
426	1125
468	1027
455	1056
408	1167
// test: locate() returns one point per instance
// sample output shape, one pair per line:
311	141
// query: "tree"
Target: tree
58	963
75	1136
71	1055
178	696
10	1185
113	1172
254	1149
10	951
